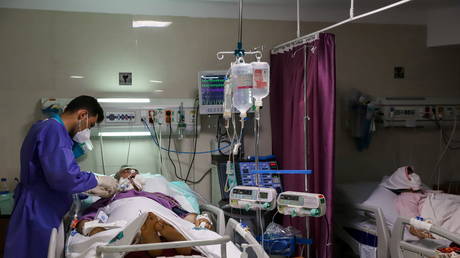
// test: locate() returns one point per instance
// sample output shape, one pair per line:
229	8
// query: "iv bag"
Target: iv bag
261	81
242	87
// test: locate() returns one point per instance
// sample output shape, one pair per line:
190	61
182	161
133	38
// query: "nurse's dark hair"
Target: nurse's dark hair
86	102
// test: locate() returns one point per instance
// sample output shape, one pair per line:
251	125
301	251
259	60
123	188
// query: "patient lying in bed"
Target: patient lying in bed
413	201
154	230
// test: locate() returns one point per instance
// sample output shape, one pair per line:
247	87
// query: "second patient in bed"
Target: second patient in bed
413	201
410	198
154	230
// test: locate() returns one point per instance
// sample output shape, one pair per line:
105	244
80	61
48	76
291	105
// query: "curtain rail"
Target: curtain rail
314	35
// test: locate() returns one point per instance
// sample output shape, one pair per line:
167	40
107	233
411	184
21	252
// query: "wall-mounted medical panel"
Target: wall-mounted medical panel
417	111
125	118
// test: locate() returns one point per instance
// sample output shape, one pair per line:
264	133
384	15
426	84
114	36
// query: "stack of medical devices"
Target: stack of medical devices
295	204
245	85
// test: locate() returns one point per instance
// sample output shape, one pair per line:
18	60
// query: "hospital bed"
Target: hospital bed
366	229
227	232
157	183
401	248
361	227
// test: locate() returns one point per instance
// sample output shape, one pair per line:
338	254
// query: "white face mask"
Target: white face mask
84	136
415	181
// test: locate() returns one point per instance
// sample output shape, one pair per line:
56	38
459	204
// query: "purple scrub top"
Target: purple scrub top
49	176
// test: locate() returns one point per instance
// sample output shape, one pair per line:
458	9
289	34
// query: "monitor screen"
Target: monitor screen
211	91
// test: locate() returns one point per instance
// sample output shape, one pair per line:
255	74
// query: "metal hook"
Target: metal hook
220	55
258	55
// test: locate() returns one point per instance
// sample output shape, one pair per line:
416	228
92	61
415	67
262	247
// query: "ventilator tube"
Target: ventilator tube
242	87
261	81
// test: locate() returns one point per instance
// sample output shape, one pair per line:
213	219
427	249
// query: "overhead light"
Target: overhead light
154	81
150	24
159	91
117	134
76	77
123	100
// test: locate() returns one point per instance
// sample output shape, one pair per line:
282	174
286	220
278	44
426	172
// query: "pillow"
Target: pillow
354	192
181	191
178	190
385	200
156	183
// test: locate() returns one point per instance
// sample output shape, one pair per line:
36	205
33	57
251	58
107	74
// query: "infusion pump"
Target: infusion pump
253	198
301	204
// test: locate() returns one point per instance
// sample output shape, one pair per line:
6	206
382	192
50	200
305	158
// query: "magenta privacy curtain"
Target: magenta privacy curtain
287	114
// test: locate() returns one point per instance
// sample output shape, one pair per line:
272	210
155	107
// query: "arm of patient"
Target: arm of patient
408	204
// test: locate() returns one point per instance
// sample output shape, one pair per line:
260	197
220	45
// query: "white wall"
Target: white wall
40	49
443	27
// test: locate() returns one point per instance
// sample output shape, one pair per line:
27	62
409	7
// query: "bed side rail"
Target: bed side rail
383	234
167	245
234	226
398	245
220	217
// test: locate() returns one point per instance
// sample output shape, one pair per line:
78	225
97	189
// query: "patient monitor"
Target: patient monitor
253	198
301	204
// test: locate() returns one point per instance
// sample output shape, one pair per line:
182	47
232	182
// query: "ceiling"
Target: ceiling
440	16
311	10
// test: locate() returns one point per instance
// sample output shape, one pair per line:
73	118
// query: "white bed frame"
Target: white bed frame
382	233
392	244
403	249
226	233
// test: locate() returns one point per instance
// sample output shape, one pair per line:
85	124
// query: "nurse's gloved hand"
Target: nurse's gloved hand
107	182
100	191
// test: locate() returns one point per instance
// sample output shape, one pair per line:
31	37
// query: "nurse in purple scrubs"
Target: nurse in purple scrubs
50	175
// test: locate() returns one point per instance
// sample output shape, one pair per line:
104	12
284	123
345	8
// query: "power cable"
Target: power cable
169	150
195	142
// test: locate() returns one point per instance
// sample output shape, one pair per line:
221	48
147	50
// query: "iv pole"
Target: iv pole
305	132
239	51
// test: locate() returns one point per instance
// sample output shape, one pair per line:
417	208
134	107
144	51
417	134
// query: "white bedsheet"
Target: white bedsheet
130	209
443	210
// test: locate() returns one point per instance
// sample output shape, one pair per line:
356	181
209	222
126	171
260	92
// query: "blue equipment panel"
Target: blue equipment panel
245	177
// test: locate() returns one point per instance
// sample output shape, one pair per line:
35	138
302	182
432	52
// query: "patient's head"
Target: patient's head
129	178
126	172
404	178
